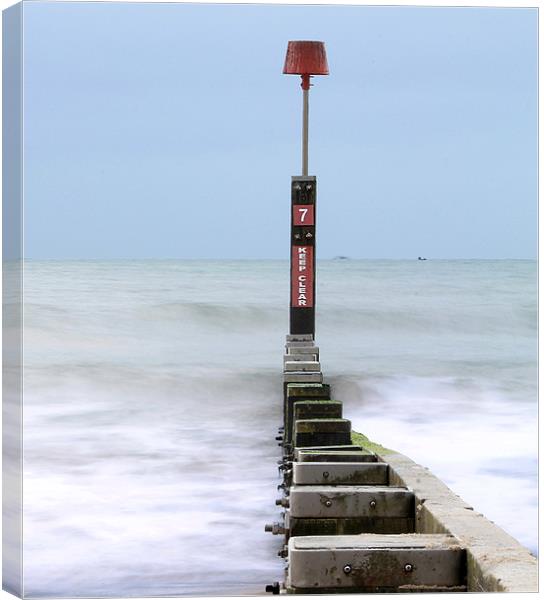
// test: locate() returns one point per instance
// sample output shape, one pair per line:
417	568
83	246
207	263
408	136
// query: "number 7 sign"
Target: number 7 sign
303	214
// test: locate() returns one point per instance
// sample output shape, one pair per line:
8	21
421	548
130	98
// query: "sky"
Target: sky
169	131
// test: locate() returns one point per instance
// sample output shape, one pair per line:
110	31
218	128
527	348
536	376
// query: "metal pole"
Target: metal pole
305	110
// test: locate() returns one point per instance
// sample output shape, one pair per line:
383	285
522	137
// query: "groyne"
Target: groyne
361	518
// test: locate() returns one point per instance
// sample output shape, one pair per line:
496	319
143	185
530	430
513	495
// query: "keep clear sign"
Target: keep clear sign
302	277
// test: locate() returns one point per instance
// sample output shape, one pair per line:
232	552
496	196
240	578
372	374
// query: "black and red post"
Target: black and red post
306	59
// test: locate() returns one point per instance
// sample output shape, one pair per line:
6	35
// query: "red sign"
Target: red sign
302	276
303	214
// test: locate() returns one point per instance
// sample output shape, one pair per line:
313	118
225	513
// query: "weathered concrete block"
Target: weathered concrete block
354	454
341	473
309	391
302	377
301	391
303	409
299	358
298	344
321	432
301	365
323	426
351	501
299	337
303	350
305	440
349	525
317	409
375	563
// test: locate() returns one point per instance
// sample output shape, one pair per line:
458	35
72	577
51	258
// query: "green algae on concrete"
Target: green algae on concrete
359	439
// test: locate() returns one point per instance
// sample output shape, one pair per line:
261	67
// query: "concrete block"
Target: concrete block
307	391
302	377
323	426
375	563
302	365
299	358
298	344
349	525
301	391
299	337
351	501
341	473
317	409
308	409
321	432
303	350
355	454
305	440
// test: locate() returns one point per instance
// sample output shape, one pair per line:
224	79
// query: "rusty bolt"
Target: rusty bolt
328	502
372	504
408	568
274	528
325	474
347	569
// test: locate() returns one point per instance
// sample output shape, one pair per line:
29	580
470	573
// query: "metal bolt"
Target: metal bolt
325	474
328	502
274	588
408	568
372	504
347	569
274	528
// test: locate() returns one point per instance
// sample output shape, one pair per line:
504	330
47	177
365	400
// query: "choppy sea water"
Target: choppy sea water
153	395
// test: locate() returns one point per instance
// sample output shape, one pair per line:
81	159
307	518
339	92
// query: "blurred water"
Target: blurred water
153	394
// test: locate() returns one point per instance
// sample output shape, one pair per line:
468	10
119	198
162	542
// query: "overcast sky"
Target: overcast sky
169	131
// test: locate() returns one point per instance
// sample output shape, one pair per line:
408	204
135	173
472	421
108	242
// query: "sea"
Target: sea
153	396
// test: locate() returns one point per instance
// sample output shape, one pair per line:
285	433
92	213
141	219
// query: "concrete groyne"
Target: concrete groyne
361	518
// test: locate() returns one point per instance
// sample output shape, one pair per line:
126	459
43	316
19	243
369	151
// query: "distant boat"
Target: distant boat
421	258
341	258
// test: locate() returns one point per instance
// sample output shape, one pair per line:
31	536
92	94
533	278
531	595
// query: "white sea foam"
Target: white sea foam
153	394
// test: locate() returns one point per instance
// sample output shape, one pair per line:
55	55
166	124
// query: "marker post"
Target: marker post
304	58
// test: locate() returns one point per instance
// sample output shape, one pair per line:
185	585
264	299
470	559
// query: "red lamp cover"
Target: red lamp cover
306	58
